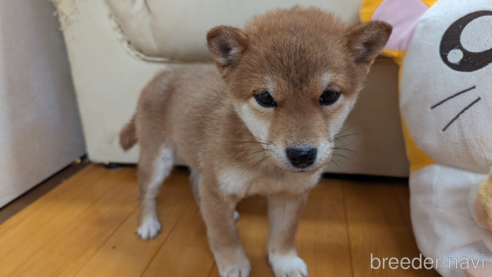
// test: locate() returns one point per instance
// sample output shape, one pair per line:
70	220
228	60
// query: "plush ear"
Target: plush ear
227	45
404	16
367	40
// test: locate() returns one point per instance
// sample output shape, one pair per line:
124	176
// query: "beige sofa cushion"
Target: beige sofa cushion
176	29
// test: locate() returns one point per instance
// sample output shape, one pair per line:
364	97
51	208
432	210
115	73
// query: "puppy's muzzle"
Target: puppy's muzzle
301	157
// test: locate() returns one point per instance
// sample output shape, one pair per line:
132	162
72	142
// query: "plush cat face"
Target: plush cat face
446	84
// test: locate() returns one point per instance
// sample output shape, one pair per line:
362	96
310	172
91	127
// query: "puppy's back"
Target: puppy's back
179	102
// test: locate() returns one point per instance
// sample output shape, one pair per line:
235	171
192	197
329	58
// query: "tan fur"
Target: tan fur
128	136
236	147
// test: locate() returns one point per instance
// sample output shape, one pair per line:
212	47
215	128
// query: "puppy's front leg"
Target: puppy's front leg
218	214
284	211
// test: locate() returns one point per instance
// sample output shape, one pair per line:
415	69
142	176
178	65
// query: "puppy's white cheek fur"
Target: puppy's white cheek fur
258	127
337	121
325	151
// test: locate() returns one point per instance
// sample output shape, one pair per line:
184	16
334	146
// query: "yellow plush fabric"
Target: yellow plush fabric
429	3
417	158
368	8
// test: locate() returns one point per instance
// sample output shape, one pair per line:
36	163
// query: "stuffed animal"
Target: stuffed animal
444	49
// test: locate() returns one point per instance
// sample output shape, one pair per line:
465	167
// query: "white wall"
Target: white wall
40	130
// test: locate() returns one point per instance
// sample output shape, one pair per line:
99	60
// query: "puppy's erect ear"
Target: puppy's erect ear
227	45
367	40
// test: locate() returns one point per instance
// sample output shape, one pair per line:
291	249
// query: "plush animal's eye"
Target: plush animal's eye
466	45
265	100
329	97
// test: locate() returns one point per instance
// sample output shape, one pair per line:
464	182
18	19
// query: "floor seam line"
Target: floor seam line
165	239
347	227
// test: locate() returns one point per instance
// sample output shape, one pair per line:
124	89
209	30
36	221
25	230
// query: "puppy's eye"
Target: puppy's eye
265	100
329	97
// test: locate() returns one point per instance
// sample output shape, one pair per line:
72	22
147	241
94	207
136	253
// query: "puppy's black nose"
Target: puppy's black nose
302	157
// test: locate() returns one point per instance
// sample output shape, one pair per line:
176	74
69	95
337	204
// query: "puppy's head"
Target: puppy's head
294	76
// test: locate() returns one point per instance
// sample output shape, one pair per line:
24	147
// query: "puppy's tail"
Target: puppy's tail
128	135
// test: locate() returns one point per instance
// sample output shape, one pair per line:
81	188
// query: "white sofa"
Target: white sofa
116	46
40	130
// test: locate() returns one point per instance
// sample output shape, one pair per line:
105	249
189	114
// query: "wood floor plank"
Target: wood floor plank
377	226
185	252
32	210
69	250
125	254
85	227
403	196
322	239
40	190
24	234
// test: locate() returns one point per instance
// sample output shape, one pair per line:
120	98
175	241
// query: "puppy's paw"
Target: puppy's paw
236	216
149	228
233	263
288	265
236	270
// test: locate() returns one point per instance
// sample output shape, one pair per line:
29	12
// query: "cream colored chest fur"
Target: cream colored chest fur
243	183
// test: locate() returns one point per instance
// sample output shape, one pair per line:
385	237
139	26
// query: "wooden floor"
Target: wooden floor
86	227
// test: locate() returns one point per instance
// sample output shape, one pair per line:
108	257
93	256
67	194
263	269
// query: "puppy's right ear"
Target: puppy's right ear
367	40
227	45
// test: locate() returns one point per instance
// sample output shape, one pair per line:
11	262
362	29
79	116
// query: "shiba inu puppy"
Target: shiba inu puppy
263	120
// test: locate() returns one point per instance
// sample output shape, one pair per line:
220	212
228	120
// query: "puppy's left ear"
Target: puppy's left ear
227	46
367	40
